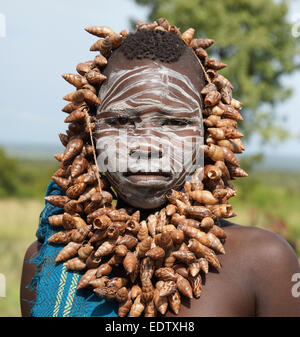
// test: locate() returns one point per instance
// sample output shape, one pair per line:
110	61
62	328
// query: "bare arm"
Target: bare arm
274	263
27	275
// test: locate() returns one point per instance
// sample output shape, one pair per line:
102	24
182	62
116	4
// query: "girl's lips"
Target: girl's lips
146	178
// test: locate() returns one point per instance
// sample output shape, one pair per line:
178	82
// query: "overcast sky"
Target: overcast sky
44	39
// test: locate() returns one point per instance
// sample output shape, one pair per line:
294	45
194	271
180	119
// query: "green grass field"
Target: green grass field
265	199
18	224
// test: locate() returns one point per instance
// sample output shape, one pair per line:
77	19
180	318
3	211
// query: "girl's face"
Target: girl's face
149	129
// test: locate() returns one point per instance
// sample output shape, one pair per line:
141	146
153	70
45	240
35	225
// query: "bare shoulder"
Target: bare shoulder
28	271
268	265
260	243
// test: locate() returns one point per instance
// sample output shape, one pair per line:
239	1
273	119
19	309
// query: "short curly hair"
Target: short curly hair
153	44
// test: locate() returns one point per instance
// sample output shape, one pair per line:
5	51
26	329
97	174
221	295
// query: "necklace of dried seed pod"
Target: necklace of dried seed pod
161	258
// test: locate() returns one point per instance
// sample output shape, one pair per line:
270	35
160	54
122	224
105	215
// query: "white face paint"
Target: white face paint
149	132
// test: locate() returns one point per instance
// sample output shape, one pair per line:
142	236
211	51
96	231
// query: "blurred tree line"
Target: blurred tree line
253	37
24	178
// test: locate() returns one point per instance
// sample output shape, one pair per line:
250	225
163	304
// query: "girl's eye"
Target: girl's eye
176	122
120	121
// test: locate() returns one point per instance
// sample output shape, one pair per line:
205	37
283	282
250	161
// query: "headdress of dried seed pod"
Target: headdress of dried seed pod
164	256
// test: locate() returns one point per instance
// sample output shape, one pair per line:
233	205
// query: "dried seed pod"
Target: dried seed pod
169	260
199	212
79	222
220	81
73	207
218	232
57	200
196	284
100	31
177	236
168	288
181	269
147	290
88	194
135	291
203	264
143	231
73	148
95	77
74	79
132	226
128	240
75	264
212	98
161	302
163	23
112	231
170	210
183	285
124	308
105	248
175	302
203	197
143	247
100	61
73	192
92	261
84	67
222	211
78	235
201	43
70	250
152	223
115	260
86	278
214	152
226	94
56	220
61	237
90	97
61	182
122	295
108	293
85	251
236	104
203	251
215	64
236	171
102	222
207	239
207	223
166	274
137	308
130	262
121	250
164	240
116	215
103	269
194	268
99	282
156	253
184	256
187	36
230	112
150	310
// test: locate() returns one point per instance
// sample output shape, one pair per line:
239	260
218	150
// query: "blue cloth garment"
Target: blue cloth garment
56	287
